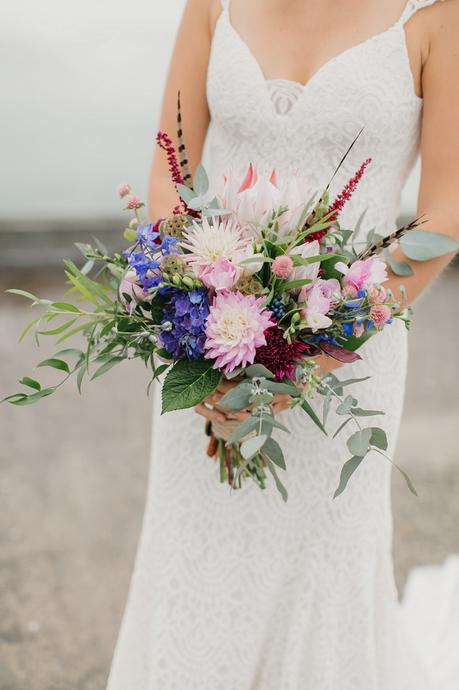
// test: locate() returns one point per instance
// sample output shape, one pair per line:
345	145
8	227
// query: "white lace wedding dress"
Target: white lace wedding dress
242	591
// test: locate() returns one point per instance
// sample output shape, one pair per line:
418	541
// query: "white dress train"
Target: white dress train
242	591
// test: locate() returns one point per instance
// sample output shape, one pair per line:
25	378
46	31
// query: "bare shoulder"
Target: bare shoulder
439	21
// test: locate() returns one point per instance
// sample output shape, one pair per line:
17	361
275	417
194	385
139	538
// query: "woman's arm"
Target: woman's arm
439	190
187	74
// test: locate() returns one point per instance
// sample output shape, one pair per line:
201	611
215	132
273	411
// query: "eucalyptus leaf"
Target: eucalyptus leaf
200	180
273	451
359	442
188	383
258	371
347	471
280	487
346	406
400	268
282	388
252	446
408	481
246	427
185	193
378	438
341	426
422	245
238	397
359	412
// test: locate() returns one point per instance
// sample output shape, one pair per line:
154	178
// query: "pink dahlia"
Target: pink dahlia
280	356
235	329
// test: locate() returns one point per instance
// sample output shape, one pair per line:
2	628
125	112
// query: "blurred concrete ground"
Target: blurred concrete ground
72	483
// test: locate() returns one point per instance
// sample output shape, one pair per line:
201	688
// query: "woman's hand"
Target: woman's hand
210	409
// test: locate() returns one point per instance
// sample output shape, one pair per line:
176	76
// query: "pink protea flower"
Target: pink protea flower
123	190
133	202
235	329
222	275
282	266
380	314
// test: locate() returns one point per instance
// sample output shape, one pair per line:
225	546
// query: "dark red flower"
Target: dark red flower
280	356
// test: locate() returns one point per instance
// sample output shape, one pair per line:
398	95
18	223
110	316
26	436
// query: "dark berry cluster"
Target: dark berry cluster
277	307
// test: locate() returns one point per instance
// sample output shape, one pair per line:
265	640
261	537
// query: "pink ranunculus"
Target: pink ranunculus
129	286
282	266
222	275
235	328
380	314
319	298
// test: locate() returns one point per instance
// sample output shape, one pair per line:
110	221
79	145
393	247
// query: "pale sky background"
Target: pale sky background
82	85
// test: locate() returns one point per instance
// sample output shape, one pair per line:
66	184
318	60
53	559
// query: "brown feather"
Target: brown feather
182	156
377	247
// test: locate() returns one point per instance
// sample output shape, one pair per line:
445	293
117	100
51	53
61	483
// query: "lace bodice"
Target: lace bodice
306	127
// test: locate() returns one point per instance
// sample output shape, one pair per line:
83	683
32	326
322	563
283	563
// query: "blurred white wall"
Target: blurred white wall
82	84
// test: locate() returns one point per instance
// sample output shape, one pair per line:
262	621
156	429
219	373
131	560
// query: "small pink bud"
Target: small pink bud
282	266
133	202
380	313
123	190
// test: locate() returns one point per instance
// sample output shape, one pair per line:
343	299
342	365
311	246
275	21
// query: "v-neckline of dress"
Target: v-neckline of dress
325	66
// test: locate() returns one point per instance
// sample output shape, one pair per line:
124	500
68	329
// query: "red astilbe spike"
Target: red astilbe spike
165	142
341	200
337	206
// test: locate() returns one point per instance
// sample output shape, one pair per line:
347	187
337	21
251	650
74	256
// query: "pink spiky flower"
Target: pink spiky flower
123	190
235	329
282	266
133	202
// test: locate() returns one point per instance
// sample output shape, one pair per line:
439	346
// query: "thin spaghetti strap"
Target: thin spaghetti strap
225	4
413	6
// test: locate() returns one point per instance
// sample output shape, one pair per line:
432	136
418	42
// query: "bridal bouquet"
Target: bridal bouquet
248	285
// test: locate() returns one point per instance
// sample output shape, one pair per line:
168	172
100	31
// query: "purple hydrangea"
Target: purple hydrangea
186	314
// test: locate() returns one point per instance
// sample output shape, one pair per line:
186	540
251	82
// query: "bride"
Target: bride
242	591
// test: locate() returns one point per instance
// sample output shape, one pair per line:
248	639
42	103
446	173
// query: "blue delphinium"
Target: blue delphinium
185	316
169	245
148	235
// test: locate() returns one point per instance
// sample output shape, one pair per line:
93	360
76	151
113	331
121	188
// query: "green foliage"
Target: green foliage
188	383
